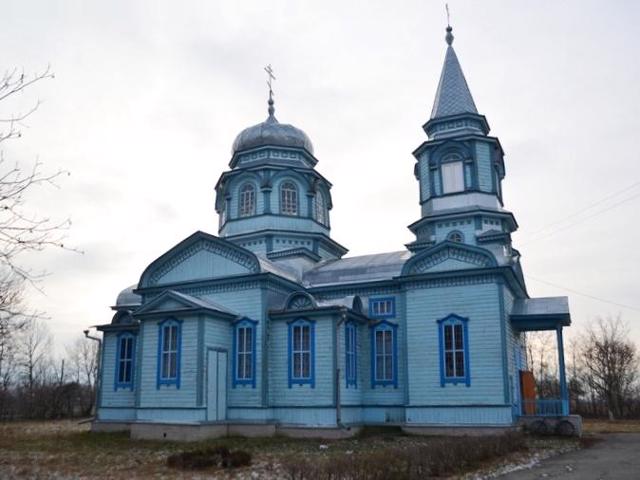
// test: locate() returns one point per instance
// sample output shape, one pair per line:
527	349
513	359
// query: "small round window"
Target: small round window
455	237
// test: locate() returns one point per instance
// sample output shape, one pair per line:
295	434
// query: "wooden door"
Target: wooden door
528	389
216	386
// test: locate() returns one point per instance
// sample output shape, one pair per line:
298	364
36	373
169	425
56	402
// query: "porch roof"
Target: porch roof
532	314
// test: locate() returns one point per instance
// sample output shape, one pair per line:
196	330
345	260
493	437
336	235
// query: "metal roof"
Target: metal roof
126	298
280	270
271	132
541	306
364	268
208	304
453	96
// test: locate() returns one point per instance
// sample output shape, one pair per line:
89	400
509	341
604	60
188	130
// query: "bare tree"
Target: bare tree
7	375
542	361
34	353
609	361
20	229
83	357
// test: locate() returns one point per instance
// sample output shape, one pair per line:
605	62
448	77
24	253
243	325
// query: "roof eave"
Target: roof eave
236	155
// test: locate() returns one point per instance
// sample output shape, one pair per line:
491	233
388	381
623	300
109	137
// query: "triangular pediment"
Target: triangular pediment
176	302
449	256
200	256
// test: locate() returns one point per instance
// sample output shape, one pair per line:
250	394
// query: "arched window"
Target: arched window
384	347
299	301
454	350
169	350
288	199
455	237
321	209
301	353
452	174
247	200
244	347
125	359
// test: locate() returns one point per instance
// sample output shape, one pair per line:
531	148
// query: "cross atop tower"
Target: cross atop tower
270	78
449	37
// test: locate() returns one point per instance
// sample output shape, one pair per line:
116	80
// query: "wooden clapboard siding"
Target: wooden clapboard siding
481	305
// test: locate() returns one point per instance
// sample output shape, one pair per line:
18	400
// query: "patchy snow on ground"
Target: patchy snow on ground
521	461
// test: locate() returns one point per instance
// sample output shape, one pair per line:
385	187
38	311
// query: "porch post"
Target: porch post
564	395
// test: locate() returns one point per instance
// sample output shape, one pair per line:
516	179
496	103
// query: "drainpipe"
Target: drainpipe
98	372
343	318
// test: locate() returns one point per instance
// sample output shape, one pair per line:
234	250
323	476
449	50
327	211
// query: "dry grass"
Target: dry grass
64	449
606	426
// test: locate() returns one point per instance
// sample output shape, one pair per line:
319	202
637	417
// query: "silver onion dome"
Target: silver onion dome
272	132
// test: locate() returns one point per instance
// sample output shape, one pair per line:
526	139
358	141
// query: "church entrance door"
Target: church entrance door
216	385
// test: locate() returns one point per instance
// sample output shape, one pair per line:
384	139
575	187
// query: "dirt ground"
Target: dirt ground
615	426
66	449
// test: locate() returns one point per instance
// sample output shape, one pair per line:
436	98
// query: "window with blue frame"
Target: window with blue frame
454	350
301	353
351	354
384	350
382	307
288	199
244	353
169	346
247	200
126	348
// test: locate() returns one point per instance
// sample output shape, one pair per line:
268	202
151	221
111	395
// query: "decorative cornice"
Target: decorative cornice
326	241
224	284
429	144
294	252
417	246
464	213
268	152
451	282
390	287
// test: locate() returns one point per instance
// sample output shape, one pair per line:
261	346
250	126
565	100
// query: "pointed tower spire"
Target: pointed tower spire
454	112
453	96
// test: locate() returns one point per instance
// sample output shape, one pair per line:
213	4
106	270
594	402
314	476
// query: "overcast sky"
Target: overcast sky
148	97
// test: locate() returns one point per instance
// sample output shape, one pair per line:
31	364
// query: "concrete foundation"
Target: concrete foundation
201	431
316	432
458	431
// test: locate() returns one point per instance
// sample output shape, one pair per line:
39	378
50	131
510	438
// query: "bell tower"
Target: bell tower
460	169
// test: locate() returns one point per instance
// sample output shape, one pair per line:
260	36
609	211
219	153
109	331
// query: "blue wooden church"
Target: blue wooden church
269	327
